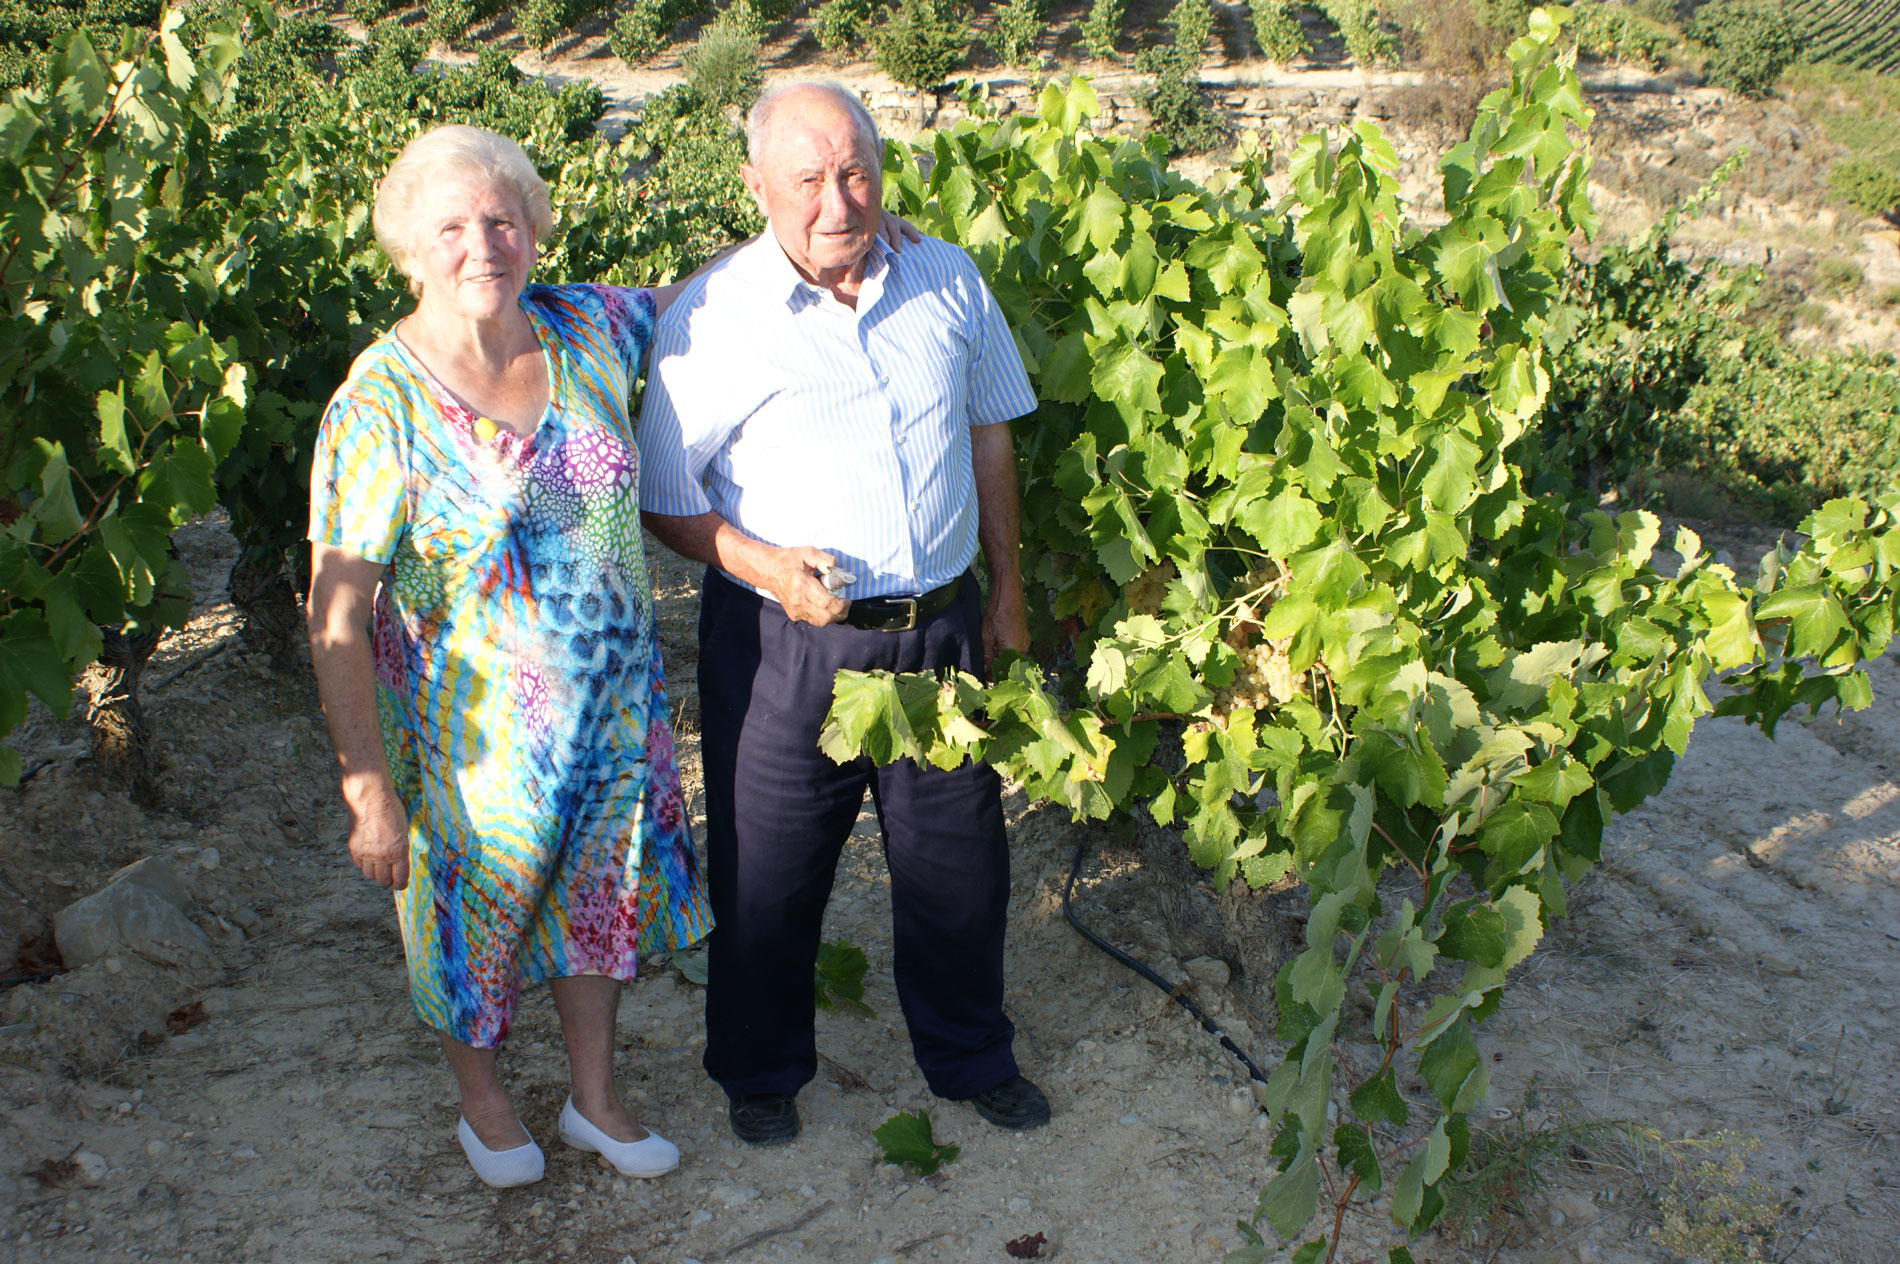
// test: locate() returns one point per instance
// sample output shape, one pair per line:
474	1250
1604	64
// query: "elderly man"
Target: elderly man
822	407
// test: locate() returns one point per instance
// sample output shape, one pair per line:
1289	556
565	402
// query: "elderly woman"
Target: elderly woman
483	638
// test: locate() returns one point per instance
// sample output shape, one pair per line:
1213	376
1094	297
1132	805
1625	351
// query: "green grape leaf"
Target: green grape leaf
1125	374
30	662
906	1139
838	977
1357	1156
1377	1100
1283	524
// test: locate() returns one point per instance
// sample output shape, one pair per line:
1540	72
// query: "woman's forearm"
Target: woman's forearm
342	595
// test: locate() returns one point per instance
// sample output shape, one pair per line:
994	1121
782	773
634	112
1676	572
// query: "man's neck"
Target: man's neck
843	284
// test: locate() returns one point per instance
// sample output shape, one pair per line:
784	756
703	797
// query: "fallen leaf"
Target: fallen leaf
185	1017
906	1138
1027	1247
56	1173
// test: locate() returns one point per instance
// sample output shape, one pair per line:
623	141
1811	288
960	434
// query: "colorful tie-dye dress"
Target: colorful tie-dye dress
520	692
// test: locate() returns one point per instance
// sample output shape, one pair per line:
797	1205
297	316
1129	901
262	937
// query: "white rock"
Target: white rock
209	858
141	910
158	1149
1017	1206
1209	971
1130	1118
735	1195
92	1168
699	1217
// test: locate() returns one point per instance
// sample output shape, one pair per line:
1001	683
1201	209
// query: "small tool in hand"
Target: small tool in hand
837	579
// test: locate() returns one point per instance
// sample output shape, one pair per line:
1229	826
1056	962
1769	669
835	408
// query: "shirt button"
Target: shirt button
883	379
900	441
913	506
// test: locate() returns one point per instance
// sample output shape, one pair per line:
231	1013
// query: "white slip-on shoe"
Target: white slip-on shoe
652	1155
504	1169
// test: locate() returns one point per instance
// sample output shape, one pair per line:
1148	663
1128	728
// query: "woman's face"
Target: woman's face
475	245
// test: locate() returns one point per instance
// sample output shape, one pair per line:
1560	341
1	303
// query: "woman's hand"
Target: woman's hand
379	840
896	230
342	600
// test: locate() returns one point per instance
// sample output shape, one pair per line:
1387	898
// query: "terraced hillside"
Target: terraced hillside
1864	34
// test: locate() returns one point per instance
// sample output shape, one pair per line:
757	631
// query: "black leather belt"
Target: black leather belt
901	614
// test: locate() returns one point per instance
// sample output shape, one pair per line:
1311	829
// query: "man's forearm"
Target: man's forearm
788	575
998	520
710	538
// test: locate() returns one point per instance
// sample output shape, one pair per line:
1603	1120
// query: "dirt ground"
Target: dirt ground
1726	971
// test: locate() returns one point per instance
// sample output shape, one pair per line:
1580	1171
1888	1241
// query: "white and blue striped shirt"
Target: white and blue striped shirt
804	422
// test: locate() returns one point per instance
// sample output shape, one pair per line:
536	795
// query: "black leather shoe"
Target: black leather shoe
1015	1104
766	1118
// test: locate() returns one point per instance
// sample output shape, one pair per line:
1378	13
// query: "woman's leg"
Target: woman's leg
485	1102
588	1004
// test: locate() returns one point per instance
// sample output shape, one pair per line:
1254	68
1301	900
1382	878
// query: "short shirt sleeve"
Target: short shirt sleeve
627	317
358	487
670	464
999	385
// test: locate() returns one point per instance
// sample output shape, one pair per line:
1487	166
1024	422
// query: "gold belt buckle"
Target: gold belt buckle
910	620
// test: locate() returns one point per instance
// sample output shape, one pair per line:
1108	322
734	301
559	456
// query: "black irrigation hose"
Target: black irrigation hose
15	980
1172	989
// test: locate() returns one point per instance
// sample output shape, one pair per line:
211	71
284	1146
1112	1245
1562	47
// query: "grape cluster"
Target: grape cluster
1265	679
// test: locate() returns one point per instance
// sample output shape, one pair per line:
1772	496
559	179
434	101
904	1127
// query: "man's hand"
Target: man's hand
379	840
792	577
1005	622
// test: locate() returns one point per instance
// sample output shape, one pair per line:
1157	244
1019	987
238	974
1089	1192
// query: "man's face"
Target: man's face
819	184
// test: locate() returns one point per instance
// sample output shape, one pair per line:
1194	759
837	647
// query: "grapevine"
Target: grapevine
1276	504
187	273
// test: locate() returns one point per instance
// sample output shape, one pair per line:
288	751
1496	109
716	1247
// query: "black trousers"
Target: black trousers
778	811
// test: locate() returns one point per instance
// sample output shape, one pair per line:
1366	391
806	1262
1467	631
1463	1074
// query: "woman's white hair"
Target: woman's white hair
758	121
459	148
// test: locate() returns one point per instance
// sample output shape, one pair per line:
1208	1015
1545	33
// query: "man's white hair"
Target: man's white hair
758	123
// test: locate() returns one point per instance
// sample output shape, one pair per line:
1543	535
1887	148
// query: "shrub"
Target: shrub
367	13
1869	185
1358	25
919	43
448	21
1750	43
1103	27
1018	27
723	67
1815	316
1838	276
1180	110
841	24
645	28
1618	33
692	154
1277	31
1457	40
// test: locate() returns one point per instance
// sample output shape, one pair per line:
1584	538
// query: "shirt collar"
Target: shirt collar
772	268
